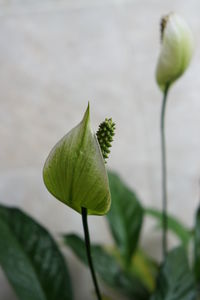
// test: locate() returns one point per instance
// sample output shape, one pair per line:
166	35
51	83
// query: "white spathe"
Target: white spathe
176	50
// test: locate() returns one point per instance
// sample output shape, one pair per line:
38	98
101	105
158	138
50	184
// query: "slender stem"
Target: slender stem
88	251
164	172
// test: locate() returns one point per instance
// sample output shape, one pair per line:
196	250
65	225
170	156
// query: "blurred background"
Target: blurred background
55	56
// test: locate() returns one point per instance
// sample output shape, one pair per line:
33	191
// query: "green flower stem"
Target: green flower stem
88	251
164	172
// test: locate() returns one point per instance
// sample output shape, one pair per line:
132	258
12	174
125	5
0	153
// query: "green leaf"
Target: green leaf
31	259
144	268
197	247
141	266
108	269
125	216
106	298
175	226
75	173
175	281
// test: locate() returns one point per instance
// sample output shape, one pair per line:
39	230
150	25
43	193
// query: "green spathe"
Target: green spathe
176	50
75	173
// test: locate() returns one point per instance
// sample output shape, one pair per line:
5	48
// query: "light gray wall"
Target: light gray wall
57	55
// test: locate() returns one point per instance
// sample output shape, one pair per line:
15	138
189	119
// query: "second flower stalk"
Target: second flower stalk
175	56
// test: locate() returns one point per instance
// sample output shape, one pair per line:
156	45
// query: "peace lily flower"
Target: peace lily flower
75	173
176	50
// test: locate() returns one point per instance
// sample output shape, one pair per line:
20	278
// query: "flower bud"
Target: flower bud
176	50
75	173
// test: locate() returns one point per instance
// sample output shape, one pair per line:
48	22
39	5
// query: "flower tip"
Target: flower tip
87	112
86	116
88	106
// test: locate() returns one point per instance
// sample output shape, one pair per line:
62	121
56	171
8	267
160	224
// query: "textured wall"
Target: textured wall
57	55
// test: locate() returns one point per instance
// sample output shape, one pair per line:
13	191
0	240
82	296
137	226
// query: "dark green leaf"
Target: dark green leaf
108	269
175	281
125	217
31	259
197	247
175	226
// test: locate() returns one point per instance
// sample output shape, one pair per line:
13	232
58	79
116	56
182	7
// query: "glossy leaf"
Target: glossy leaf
106	298
75	173
125	216
144	268
175	226
197	247
108	269
31	259
141	266
175	281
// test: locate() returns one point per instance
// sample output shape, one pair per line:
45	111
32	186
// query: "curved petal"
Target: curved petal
75	173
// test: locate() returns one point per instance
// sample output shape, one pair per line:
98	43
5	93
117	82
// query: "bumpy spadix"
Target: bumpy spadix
75	173
176	50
